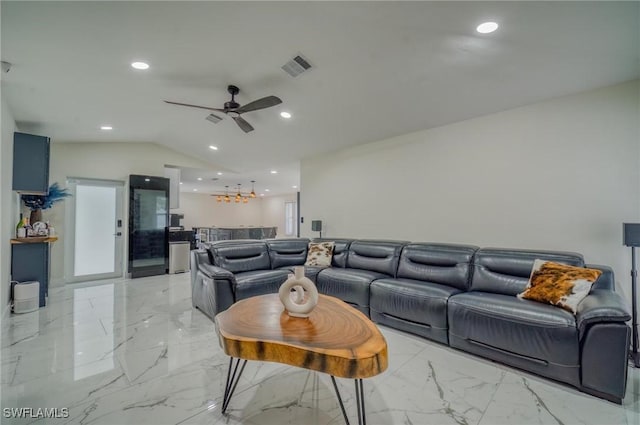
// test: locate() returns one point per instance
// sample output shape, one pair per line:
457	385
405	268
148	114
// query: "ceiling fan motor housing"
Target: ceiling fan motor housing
232	104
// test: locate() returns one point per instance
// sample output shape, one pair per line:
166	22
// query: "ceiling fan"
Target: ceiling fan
233	108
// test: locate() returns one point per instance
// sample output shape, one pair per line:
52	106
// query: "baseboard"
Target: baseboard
5	314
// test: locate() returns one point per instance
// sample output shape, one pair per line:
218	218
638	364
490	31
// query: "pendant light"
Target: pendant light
227	199
253	192
238	195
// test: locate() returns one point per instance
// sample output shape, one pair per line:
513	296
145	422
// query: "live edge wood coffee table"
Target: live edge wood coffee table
336	339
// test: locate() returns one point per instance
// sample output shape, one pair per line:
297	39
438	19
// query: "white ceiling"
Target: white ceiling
380	69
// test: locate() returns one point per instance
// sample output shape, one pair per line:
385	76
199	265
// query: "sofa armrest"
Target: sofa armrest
600	306
212	288
214	272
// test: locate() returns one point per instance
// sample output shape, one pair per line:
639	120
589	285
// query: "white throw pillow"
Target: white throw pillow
320	254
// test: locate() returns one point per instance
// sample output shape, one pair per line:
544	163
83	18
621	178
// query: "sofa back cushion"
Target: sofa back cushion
507	271
446	264
340	250
375	256
240	255
287	252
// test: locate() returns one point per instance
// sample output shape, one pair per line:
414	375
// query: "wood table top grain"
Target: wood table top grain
335	339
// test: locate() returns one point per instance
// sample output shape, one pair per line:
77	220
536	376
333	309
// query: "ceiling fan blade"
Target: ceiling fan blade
265	102
194	106
245	126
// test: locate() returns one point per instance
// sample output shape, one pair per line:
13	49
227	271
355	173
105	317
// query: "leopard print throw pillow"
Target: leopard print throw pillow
558	284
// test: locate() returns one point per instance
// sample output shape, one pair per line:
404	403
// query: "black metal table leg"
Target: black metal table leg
344	412
362	420
232	381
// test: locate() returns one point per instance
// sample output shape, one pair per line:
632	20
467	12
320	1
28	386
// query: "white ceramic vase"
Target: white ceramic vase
295	302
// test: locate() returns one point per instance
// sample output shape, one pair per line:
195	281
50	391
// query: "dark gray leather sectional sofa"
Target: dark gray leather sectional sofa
459	295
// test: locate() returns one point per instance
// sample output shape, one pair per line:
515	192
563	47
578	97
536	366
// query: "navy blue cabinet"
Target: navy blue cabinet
30	163
30	261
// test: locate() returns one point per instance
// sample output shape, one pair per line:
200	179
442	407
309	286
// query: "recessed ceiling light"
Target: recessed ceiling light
274	172
106	127
285	114
295	187
180	182
140	65
219	173
267	190
195	190
487	27
215	148
262	194
199	178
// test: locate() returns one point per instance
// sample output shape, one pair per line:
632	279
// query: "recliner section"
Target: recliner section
287	253
416	300
458	295
366	261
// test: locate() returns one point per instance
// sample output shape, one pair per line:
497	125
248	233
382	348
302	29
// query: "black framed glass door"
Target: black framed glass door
148	221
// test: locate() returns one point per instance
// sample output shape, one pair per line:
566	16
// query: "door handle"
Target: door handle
117	234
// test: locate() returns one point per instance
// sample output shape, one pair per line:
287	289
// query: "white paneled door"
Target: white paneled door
94	230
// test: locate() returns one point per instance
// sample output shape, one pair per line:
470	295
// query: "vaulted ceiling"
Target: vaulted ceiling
380	69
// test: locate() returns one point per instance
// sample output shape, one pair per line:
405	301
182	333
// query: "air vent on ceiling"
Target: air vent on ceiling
213	118
296	66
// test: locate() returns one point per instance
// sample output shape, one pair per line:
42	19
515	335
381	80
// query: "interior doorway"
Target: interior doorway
94	230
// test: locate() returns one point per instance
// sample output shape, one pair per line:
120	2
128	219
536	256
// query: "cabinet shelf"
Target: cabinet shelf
34	239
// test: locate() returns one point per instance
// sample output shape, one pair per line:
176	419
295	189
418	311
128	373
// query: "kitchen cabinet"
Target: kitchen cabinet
30	163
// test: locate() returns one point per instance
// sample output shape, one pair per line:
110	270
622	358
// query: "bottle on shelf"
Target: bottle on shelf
28	227
21	230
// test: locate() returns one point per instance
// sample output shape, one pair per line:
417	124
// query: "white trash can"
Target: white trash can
26	296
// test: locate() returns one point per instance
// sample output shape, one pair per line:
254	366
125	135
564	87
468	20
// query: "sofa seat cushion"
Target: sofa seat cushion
259	282
413	300
350	285
539	332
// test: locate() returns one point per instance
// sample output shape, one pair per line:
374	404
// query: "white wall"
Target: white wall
273	212
8	204
561	175
111	161
202	210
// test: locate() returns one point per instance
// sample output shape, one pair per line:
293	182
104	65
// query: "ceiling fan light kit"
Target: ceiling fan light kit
234	109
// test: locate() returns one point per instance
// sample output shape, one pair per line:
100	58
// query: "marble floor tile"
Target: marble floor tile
526	399
123	351
426	391
633	381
